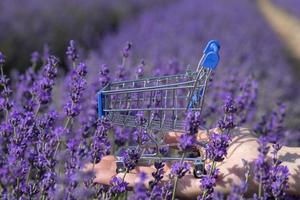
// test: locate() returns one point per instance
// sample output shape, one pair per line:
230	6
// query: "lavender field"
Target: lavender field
54	145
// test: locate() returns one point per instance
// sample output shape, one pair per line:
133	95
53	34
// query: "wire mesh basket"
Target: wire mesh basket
162	101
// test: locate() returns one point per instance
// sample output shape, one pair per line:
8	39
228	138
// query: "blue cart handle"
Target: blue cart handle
211	54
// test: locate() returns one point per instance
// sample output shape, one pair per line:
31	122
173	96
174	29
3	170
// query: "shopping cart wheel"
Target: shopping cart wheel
199	169
120	167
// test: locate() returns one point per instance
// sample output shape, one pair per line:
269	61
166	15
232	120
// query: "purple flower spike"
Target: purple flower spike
2	59
192	122
118	185
280	181
158	174
186	142
217	146
77	86
140	190
126	50
72	51
229	106
43	88
179	169
35	56
130	157
140	69
208	183
104	77
140	119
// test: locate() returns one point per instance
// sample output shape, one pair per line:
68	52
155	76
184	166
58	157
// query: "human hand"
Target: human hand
244	145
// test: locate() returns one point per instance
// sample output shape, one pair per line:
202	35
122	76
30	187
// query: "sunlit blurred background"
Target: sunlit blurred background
258	37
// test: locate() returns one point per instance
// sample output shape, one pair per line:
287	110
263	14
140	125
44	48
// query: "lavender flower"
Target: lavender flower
2	59
140	69
121	136
167	190
208	182
216	148
5	103
77	86
192	122
229	109
44	86
180	169
72	51
35	56
157	193
118	186
104	76
126	50
280	181
186	142
238	191
130	157
229	106
272	124
140	190
157	175
140	119
100	145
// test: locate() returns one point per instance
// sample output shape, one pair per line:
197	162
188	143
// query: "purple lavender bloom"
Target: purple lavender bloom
140	119
140	69
272	124
5	103
180	169
186	142
167	190
237	191
126	50
130	157
44	86
140	190
140	136
227	123
208	182
35	56
216	148
104	77
230	106
118	186
164	150
72	51
192	122
77	86
121	136
2	59
158	174
100	144
121	73
157	193
280	181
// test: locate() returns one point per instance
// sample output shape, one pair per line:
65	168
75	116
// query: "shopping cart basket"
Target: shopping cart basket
162	101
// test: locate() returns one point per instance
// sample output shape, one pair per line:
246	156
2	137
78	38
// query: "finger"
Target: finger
131	179
172	137
202	135
104	176
134	176
105	163
145	169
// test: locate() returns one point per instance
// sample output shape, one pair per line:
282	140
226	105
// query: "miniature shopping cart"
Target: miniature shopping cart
162	102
